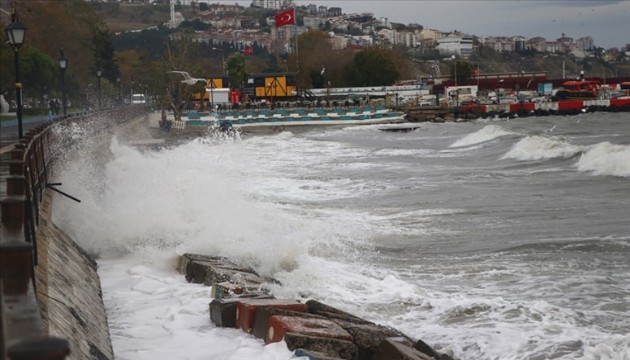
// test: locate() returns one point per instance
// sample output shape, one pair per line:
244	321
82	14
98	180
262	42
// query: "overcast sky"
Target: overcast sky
606	21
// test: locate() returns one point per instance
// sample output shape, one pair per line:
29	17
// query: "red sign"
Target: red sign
248	51
286	17
235	97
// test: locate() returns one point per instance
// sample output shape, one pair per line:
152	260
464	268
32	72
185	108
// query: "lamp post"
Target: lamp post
454	69
119	91
222	59
455	77
211	94
63	63
16	31
98	74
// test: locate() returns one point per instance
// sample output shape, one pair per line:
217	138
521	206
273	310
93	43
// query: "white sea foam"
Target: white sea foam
488	133
542	148
266	201
154	314
606	159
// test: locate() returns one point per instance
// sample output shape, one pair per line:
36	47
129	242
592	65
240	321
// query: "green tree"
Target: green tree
464	71
371	67
104	59
236	70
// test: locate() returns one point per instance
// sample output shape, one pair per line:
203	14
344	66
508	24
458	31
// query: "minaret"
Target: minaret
172	14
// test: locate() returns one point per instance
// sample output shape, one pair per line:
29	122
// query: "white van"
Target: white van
138	99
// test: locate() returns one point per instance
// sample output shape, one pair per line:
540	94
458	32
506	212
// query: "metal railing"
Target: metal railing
22	332
29	162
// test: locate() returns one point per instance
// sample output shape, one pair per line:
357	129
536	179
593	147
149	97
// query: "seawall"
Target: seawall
50	295
69	291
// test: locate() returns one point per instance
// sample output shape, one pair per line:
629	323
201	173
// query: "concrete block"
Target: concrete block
210	270
398	349
426	349
261	318
368	337
334	348
327	311
223	310
314	355
279	325
246	309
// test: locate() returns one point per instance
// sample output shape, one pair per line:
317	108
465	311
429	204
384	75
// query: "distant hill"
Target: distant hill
121	17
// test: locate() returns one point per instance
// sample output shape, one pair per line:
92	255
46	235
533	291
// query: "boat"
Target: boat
578	90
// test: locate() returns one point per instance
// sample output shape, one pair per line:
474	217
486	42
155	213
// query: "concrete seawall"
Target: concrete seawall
69	291
51	303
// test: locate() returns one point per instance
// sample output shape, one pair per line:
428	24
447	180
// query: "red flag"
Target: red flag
248	51
286	17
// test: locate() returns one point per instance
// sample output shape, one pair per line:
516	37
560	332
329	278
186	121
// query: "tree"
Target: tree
104	59
371	67
464	71
236	70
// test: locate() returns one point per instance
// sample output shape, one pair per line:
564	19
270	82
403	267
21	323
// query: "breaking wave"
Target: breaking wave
543	148
606	159
488	133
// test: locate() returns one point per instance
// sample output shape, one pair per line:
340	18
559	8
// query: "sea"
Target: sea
487	239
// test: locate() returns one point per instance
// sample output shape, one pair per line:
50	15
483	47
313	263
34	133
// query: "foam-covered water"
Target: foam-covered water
488	239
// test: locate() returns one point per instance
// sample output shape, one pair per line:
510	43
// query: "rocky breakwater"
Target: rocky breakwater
311	328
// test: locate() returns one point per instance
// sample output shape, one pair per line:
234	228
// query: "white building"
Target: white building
585	43
458	45
272	4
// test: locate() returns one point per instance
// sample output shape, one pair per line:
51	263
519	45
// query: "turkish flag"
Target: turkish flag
286	17
248	51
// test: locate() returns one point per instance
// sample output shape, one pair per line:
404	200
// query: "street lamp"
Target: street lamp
454	68
455	76
16	31
119	91
222	60
63	63
98	74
